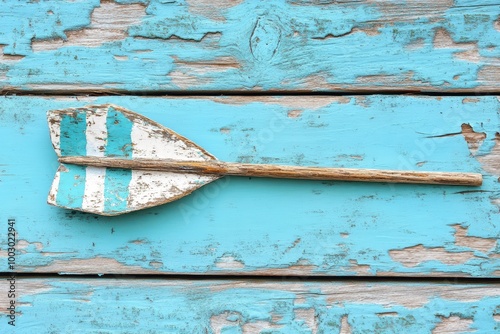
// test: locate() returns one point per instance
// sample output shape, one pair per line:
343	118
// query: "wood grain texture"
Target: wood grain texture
293	45
114	305
275	227
279	171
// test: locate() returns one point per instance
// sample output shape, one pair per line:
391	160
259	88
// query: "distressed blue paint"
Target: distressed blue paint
119	144
71	186
116	189
24	21
183	306
72	177
119	127
72	134
314	47
257	221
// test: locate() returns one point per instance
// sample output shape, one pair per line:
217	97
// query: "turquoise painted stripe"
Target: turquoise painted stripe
119	130
73	142
71	187
116	189
119	144
73	139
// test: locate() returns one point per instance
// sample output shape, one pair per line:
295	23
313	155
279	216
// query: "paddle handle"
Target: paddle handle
352	174
287	172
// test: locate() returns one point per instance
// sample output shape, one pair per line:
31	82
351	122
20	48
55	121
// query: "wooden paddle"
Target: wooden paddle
115	161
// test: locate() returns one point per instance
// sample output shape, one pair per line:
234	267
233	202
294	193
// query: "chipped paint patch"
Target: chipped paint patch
443	40
387	314
415	255
7	60
208	9
413	9
359	269
259	327
221	322
453	324
183	79
480	244
28	287
294	113
200	68
490	162
474	139
345	327
291	102
24	244
99	265
228	262
108	23
308	316
487	75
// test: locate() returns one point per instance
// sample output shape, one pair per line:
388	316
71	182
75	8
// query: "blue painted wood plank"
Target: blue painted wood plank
207	306
250	45
268	226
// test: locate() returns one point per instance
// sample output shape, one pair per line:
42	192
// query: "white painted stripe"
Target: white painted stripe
148	188
54	120
54	188
96	132
93	198
96	136
155	143
152	188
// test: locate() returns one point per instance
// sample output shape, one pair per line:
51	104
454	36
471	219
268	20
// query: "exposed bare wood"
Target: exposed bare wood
413	256
453	324
287	172
109	22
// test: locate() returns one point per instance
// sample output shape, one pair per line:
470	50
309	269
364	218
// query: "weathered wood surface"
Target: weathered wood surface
114	305
267	226
279	171
295	45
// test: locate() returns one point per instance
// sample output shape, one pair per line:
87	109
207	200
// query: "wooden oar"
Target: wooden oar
115	161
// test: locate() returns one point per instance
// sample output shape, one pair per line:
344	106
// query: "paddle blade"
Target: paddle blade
107	130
